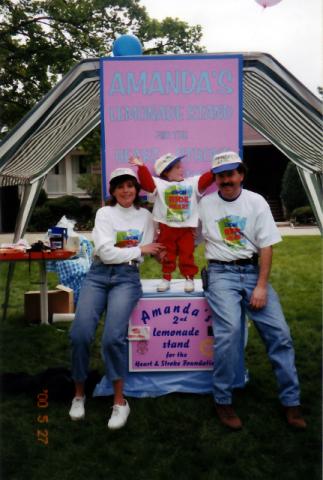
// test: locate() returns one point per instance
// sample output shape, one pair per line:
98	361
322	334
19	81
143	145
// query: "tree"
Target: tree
40	40
292	193
92	184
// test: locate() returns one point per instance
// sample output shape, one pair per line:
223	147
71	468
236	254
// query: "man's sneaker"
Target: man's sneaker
228	416
163	286
119	416
189	285
295	418
77	411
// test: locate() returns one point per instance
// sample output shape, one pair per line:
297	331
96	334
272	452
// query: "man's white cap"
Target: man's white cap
165	162
119	172
225	161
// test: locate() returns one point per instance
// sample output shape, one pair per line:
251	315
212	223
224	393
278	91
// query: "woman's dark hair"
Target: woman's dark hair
115	182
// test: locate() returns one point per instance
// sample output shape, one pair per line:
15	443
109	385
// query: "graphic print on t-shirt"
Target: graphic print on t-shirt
178	202
128	238
231	228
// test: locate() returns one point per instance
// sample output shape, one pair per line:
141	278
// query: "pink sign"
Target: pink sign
171	334
188	105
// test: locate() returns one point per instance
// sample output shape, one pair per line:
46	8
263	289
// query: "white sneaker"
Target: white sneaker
189	285
163	286
77	411
119	416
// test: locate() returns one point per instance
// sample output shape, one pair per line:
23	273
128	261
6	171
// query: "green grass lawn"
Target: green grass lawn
176	436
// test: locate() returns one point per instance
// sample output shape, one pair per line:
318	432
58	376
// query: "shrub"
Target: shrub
85	221
293	194
52	211
91	183
303	215
40	220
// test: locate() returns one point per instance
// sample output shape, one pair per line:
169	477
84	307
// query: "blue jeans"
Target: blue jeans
229	291
114	289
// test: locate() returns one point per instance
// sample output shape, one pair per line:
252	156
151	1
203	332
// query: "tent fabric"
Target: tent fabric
51	130
293	130
55	137
275	104
156	384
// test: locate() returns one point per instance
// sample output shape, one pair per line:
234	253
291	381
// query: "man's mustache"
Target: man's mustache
226	184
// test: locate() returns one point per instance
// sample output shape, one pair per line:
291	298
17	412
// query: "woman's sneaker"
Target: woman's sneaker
119	416
163	286
77	411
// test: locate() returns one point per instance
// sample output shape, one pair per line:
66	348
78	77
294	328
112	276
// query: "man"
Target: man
237	226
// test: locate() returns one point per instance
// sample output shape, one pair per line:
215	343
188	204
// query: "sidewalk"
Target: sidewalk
284	230
298	231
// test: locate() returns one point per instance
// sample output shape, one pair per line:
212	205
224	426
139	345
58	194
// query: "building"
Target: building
62	178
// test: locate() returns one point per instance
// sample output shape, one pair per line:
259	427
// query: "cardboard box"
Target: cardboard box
60	300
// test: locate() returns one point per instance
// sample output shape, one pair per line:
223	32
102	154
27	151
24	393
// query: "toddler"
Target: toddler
175	209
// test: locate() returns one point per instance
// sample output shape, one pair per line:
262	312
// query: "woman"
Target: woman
122	233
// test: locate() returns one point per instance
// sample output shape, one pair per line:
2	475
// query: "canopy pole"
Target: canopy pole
28	201
313	184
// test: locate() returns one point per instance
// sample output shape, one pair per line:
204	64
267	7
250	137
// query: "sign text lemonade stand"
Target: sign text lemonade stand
171	334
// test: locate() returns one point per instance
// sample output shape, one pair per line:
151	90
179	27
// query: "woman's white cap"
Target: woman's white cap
119	172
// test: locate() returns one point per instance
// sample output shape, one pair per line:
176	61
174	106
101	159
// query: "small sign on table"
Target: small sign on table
171	334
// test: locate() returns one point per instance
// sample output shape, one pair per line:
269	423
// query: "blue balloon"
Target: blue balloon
126	45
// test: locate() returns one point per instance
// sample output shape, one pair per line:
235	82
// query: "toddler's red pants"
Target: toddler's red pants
178	242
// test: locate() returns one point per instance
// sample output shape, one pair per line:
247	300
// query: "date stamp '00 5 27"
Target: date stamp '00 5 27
42	418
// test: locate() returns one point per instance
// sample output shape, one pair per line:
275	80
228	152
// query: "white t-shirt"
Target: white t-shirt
236	229
119	231
176	202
